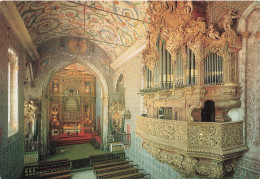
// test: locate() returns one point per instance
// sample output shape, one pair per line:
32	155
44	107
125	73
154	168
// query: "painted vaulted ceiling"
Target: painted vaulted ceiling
114	33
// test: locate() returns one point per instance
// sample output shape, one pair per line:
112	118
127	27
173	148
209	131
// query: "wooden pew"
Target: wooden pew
51	169
95	167
112	168
103	158
57	174
117	173
100	155
129	176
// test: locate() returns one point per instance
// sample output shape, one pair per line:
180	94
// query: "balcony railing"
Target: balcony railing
205	139
190	147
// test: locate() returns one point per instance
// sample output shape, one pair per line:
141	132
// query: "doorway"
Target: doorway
208	112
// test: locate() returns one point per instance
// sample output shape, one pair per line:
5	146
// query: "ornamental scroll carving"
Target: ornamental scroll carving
179	24
117	106
193	148
30	109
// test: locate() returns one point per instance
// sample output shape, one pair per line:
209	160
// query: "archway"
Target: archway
46	79
74	112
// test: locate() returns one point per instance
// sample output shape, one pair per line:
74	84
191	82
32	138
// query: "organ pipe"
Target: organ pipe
213	69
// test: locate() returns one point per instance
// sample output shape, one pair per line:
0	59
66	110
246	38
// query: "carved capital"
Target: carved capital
257	35
246	34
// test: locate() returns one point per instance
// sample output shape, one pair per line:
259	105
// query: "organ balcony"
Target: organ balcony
191	84
206	149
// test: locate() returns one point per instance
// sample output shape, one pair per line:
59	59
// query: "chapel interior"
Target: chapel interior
130	89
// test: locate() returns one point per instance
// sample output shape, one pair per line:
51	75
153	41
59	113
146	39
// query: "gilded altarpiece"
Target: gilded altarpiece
197	137
72	103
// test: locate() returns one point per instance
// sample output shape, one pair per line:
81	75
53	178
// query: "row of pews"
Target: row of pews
118	169
58	169
112	165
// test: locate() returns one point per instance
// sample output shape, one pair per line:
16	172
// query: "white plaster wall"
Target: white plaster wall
132	73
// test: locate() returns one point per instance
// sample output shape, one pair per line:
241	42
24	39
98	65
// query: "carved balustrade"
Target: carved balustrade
200	139
185	145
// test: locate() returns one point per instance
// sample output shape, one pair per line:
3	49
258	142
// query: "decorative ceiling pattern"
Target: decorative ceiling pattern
76	68
46	20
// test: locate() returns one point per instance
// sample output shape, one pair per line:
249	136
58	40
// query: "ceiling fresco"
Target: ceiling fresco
46	20
75	69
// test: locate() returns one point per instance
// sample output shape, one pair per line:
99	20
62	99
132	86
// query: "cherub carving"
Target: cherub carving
189	7
171	6
212	33
228	20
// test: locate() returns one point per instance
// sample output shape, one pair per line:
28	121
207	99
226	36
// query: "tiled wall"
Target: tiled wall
11	148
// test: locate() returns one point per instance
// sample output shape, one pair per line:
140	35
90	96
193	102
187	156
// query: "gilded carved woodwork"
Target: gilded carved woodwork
208	149
204	149
117	106
72	99
30	109
180	25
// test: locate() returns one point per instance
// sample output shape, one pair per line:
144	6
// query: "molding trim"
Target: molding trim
132	51
16	22
242	20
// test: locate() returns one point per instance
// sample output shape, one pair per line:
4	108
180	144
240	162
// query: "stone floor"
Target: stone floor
254	152
74	152
88	174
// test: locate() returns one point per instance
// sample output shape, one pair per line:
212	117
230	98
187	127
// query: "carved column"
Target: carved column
257	140
200	69
104	122
245	36
226	69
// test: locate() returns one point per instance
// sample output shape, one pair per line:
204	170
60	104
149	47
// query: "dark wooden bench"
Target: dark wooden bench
131	175
112	168
104	158
51	169
56	174
117	173
95	167
100	155
53	161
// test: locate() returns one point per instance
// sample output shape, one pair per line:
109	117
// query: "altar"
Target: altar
71	127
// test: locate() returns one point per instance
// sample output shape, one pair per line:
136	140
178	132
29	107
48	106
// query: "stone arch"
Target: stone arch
249	60
42	88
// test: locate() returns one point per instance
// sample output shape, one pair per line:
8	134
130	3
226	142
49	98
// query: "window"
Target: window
12	92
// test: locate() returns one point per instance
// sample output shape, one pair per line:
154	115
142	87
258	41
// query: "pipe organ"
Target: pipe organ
213	69
203	68
191	68
179	71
